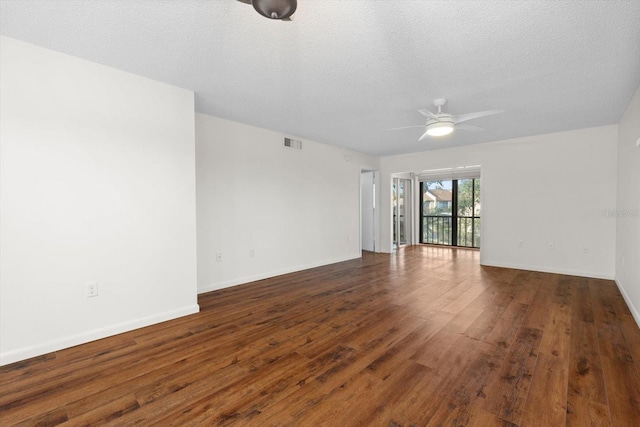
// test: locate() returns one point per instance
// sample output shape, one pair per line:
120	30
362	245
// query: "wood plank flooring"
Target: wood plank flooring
424	337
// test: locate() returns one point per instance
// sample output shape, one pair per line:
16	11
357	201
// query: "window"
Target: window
450	212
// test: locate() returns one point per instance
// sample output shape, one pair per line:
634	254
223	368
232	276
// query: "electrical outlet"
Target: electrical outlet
92	289
552	246
520	244
349	237
252	253
218	256
585	249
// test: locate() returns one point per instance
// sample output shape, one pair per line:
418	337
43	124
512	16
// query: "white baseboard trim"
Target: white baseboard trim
567	272
632	308
261	276
96	334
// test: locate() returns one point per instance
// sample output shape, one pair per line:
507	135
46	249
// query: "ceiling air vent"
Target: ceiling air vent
292	143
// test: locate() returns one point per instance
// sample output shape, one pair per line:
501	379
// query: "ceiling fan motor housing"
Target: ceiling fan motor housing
442	118
275	9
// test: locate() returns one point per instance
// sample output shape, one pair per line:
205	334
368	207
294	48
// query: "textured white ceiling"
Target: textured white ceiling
343	71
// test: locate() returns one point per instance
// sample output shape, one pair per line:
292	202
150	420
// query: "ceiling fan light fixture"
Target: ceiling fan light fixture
275	9
439	128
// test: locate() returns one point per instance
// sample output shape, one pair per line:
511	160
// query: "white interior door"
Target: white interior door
367	210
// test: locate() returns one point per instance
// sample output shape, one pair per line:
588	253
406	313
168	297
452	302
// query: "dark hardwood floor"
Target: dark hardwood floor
422	337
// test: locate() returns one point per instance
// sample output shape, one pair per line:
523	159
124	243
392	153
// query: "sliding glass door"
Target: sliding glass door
450	212
437	209
401	211
468	213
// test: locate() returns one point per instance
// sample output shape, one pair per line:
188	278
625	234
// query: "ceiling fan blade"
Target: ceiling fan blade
466	126
245	1
464	117
406	127
428	113
424	136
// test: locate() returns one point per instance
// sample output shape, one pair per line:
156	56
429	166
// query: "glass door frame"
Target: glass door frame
406	212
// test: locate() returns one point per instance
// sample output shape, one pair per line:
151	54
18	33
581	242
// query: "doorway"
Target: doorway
368	211
401	201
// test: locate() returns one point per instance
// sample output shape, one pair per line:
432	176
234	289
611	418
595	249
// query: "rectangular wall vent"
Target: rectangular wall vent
293	143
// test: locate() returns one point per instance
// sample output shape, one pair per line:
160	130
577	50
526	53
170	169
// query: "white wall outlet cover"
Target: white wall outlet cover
91	289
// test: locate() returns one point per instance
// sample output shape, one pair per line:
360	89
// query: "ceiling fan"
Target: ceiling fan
274	9
440	124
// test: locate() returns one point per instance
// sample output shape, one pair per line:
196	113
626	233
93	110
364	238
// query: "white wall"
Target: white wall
97	177
628	207
294	209
541	189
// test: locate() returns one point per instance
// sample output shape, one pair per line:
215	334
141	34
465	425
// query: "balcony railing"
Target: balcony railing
437	230
469	231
